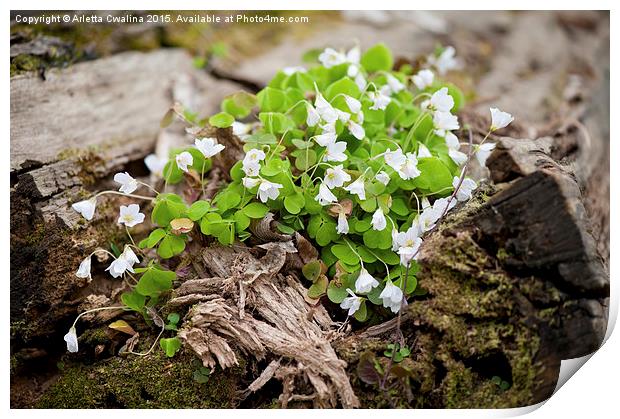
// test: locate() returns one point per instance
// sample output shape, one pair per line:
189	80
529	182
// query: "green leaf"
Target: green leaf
227	200
198	209
153	238
134	300
345	254
434	175
255	210
271	100
173	318
343	86
362	313
170	246
170	346
171	173
275	122
312	270
273	167
294	203
211	224
167	207
239	104
318	288
242	221
221	120
377	58
155	281
378	239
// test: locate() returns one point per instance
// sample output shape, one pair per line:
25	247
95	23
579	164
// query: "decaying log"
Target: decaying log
70	132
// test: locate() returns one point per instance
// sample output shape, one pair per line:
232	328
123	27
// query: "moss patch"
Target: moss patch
154	381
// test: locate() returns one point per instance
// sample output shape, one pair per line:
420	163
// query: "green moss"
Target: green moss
153	381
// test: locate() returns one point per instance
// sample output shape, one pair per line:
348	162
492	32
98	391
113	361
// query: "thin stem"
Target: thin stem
353	250
92	310
152	346
148	186
202	177
148	198
130	237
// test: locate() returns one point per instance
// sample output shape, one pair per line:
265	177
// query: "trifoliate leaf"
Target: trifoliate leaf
170	346
222	120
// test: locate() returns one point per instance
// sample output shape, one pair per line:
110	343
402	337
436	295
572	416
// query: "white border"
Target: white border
592	392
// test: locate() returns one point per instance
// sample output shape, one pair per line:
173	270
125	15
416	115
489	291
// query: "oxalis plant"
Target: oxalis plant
360	158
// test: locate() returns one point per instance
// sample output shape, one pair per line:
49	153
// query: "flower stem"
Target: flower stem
148	198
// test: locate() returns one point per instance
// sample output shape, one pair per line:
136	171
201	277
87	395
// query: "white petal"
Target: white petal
86	208
72	340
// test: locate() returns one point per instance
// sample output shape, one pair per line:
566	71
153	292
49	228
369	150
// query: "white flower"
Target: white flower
128	183
394	84
356	129
457	156
425	203
427	219
467	187
353	55
183	160
130	215
72	340
250	182
336	177
445	62
325	196
409	170
251	162
405	239
383	177
208	146
240	129
123	263
335	152
326	138
251	169
379	100
483	152
423	151
365	282
325	109
354	105
268	190
441	204
351	303
500	119
357	188
155	164
395	239
423	79
445	121
360	117
86	208
342	115
378	220
452	141
360	81
289	71
84	269
441	101
407	253
395	159
254	156
392	297
313	116
343	224
330	58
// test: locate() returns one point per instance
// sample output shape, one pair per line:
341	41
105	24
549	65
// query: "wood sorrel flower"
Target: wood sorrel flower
379	100
365	282
354	105
356	130
84	269
441	101
268	190
423	79
86	208
500	119
335	177
445	121
409	170
467	187
130	215
208	146
72	340
343	224
123	263
183	160
128	183
383	177
378	220
335	152
155	164
445	61
392	297
351	303
483	151
325	196
330	58
357	188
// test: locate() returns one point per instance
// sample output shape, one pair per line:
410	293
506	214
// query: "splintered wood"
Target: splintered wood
253	306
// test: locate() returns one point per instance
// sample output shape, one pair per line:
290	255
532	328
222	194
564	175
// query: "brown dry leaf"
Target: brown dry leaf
122	326
181	225
345	205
